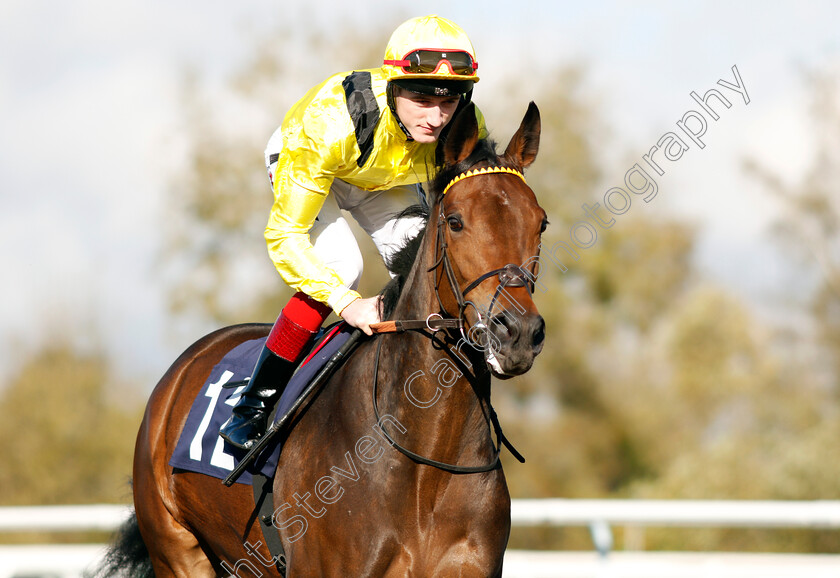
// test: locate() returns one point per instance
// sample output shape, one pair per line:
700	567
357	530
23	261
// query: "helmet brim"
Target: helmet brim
435	86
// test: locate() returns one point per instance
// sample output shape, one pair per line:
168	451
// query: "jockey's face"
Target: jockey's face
424	115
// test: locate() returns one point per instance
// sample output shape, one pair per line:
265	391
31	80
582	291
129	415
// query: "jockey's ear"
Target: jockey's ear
524	145
462	137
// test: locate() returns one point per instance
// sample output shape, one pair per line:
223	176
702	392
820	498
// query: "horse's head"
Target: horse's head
488	224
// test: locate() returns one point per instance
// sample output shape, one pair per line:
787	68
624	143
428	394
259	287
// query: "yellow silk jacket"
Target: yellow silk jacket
319	144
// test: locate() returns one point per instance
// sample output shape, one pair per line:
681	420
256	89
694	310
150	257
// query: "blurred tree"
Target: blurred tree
656	385
598	313
811	222
68	431
215	257
711	407
568	165
749	415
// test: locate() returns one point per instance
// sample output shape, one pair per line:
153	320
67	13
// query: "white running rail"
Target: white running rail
68	561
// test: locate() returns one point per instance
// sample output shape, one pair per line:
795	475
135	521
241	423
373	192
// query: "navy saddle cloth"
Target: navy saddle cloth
201	450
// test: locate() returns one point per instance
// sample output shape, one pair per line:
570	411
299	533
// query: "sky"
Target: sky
89	109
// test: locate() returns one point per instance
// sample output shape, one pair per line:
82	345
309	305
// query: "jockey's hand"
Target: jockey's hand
362	313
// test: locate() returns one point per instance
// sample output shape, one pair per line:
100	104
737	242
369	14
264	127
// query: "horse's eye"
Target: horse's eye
455	223
543	226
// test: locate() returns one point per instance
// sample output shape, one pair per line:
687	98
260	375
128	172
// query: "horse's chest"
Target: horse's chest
401	530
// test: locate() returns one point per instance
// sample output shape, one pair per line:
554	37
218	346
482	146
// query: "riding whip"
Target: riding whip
317	382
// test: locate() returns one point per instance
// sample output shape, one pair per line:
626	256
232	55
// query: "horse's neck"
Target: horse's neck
417	299
455	427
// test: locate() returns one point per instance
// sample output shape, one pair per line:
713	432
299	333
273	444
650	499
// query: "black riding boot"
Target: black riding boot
250	415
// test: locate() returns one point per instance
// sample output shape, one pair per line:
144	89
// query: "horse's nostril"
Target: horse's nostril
503	330
539	337
539	334
526	331
504	327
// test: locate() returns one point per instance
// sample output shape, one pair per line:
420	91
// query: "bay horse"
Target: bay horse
347	502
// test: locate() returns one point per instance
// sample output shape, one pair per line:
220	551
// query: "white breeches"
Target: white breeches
375	212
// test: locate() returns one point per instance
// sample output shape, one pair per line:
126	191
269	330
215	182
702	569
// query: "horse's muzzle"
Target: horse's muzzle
517	340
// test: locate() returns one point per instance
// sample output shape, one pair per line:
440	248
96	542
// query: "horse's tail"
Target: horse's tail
127	556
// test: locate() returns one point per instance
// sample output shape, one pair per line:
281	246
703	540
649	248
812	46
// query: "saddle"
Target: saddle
201	450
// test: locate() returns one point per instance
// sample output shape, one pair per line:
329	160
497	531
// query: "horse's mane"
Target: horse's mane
402	261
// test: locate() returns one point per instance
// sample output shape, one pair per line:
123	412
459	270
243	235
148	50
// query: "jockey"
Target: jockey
362	141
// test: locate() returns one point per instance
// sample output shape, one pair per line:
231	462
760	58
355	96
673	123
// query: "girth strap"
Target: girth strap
264	500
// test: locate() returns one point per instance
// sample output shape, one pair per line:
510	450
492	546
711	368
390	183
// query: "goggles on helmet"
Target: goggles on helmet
429	61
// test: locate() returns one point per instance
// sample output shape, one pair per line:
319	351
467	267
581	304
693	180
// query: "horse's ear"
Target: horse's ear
524	145
462	137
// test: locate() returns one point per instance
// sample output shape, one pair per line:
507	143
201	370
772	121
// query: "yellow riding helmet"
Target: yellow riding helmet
430	47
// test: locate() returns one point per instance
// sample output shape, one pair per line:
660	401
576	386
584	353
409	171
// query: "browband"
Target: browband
483	171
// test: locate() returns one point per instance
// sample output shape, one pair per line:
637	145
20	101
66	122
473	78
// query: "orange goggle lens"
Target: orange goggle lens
428	61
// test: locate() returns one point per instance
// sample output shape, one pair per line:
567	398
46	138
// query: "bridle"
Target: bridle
509	275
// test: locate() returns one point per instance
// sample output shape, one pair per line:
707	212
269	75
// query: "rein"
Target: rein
452	468
509	276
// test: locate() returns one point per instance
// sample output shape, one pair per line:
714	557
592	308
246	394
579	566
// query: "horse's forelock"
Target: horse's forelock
484	152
